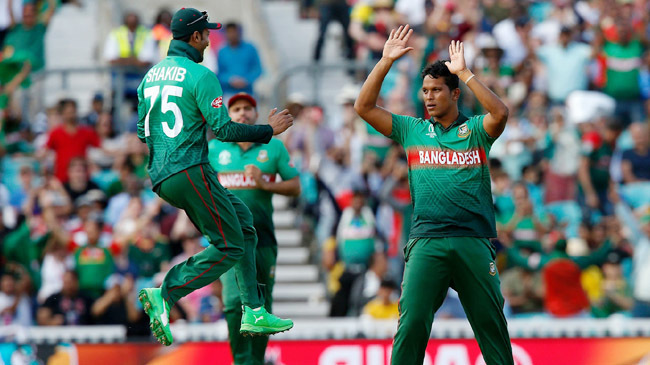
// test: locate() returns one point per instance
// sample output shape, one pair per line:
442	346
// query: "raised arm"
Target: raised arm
366	104
497	116
51	7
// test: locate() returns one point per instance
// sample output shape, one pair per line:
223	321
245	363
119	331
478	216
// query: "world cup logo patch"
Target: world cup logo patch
432	131
224	158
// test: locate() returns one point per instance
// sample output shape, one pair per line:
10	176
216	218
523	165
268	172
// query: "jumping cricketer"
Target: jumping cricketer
453	212
178	100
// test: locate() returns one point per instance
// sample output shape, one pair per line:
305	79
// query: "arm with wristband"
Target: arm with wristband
497	116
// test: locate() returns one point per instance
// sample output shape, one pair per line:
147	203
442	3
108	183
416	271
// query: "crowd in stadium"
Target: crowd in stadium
81	230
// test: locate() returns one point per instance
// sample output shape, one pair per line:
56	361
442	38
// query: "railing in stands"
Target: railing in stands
314	71
117	84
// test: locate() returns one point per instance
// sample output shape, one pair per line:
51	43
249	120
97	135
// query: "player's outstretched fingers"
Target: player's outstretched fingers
404	32
399	31
408	35
273	112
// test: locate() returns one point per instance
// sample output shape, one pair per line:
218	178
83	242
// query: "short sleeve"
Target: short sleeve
285	168
401	125
475	124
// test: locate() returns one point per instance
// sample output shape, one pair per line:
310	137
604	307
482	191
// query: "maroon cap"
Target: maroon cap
242	96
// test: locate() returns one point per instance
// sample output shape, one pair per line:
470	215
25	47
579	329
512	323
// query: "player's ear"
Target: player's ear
197	37
455	94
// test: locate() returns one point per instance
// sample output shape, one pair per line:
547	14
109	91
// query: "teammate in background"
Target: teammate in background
178	99
249	171
453	212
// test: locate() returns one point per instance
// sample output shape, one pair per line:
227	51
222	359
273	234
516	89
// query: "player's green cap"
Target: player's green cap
189	20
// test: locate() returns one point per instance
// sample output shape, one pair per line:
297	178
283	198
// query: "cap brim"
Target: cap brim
214	25
242	96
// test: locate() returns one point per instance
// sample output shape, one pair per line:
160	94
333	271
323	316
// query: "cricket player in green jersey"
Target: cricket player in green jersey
178	100
249	171
453	215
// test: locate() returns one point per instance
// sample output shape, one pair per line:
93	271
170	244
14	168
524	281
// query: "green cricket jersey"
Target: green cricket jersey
448	176
177	100
229	160
623	64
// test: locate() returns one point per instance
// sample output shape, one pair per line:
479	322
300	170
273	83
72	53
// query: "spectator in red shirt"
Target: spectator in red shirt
69	140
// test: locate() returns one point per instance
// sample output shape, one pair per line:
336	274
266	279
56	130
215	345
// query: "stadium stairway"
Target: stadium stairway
298	291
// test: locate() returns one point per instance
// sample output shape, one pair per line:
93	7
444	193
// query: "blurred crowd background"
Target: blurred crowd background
81	231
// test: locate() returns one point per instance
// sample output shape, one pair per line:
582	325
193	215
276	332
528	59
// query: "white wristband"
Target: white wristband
471	77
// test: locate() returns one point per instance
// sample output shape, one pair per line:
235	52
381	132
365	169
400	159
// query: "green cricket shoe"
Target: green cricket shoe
260	322
158	311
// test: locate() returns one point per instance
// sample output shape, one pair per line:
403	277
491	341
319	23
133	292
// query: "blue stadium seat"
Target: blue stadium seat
10	169
569	212
636	194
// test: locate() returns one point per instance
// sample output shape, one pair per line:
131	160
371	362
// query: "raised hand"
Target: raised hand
281	121
395	46
457	57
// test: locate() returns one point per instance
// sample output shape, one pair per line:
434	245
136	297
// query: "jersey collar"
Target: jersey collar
252	147
460	120
180	48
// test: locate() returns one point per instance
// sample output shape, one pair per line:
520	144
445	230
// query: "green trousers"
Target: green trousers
249	350
467	265
226	223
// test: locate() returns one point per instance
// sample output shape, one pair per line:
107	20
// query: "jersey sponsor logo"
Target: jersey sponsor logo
263	156
623	64
225	157
493	269
424	157
166	74
463	131
217	102
92	255
239	180
432	131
